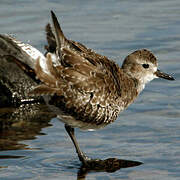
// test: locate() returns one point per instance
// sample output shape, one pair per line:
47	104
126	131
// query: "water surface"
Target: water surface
148	131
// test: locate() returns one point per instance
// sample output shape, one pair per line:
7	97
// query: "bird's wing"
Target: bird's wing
83	82
57	40
82	75
77	77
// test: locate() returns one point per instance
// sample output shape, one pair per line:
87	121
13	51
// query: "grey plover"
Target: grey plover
88	90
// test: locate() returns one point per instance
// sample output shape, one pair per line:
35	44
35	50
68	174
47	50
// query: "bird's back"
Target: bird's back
86	89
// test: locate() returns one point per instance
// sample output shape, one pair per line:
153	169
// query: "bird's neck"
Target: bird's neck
139	83
141	86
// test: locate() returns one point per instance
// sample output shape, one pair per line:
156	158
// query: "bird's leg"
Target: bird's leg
82	157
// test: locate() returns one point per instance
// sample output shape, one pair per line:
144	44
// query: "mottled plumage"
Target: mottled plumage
87	86
85	89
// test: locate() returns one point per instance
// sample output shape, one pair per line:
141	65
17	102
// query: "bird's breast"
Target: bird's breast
82	112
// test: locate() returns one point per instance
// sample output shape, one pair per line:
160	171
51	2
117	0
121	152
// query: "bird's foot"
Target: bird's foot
84	159
88	162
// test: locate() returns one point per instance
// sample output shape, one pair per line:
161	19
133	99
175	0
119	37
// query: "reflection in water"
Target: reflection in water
10	157
107	165
26	122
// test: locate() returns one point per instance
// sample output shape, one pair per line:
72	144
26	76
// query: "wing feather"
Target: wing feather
44	90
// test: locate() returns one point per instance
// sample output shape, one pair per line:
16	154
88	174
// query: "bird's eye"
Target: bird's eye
145	66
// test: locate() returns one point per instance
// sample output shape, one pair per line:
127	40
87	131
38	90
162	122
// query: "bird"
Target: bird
87	90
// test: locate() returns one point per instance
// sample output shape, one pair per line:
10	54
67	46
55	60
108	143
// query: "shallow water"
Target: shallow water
148	131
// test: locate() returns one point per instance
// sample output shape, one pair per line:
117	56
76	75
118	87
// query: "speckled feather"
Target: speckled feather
88	89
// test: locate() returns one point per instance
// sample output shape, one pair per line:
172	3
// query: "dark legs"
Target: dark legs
82	157
107	165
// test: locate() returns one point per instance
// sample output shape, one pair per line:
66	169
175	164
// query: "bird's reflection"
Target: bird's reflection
108	165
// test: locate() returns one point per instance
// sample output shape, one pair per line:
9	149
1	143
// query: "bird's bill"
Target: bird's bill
163	75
